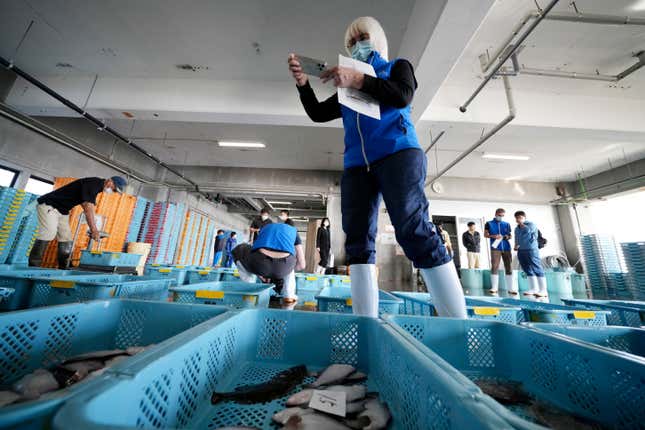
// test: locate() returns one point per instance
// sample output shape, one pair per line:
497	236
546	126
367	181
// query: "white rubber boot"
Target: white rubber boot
494	283
364	290
510	285
445	289
245	275
542	290
320	270
533	286
289	297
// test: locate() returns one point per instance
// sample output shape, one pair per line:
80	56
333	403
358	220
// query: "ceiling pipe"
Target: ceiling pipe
102	126
508	53
510	117
434	141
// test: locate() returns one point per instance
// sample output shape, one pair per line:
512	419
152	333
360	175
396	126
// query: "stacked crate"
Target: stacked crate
138	215
25	237
50	256
175	232
185	238
634	255
604	267
209	244
12	204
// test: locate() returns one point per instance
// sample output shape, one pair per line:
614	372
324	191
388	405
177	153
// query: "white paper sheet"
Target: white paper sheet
354	99
332	402
496	243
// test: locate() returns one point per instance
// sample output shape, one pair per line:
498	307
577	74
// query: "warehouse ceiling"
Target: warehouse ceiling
232	82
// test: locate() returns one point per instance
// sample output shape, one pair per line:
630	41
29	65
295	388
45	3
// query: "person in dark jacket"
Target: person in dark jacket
383	159
259	222
323	246
231	243
472	242
220	244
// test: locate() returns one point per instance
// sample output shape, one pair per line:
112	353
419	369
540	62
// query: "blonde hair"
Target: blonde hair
367	24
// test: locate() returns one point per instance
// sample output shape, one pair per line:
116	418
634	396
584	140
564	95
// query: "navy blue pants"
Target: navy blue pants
530	262
399	179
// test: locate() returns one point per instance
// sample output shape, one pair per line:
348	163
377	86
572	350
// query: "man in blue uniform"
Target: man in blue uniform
499	233
528	253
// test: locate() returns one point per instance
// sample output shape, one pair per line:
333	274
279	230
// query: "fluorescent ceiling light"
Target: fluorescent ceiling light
237	144
279	203
518	157
639	5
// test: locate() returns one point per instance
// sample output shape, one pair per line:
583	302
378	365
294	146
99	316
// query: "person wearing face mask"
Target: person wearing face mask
383	159
260	222
53	214
528	254
220	243
499	233
323	246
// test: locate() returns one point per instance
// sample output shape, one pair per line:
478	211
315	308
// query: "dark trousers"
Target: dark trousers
530	262
276	269
324	257
399	179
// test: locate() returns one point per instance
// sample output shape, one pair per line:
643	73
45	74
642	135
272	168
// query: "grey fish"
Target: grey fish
276	387
300	398
84	367
114	360
314	422
356	377
8	397
355	407
334	373
506	392
284	415
134	350
35	384
377	413
557	419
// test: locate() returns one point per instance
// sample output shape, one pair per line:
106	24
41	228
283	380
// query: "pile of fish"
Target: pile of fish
512	393
363	410
65	374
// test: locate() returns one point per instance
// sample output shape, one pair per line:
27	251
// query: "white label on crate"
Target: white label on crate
332	402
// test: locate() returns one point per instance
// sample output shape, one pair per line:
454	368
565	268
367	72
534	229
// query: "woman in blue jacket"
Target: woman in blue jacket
382	159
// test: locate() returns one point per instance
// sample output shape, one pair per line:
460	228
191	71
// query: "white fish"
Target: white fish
35	384
8	397
300	398
352	392
355	407
134	350
377	413
356	377
314	422
83	368
334	373
283	416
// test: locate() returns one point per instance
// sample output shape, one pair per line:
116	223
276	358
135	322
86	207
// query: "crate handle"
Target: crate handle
348	302
155	265
207	294
203	272
584	315
165	270
479	310
180	267
96	252
62	284
252	299
312	304
311	278
346	281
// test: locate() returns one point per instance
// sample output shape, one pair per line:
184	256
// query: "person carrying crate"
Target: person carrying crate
274	255
53	214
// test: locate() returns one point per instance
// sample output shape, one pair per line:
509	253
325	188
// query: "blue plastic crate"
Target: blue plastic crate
46	336
338	280
229	275
195	275
579	377
173	388
552	313
339	299
70	289
177	275
234	294
623	313
22	281
308	286
626	339
421	304
107	258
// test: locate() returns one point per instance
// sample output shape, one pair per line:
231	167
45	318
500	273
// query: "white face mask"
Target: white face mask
283	217
108	191
265	217
325	223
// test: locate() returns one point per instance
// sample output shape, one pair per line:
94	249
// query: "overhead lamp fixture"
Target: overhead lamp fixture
516	157
638	6
240	144
279	203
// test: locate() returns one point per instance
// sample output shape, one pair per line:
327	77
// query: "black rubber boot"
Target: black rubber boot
37	252
64	251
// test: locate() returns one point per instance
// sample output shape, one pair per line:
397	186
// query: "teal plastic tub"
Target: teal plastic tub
558	282
625	313
70	289
308	286
339	299
626	339
195	276
589	381
578	283
238	294
502	278
177	275
472	278
172	388
552	313
107	258
42	337
421	304
339	280
22	281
